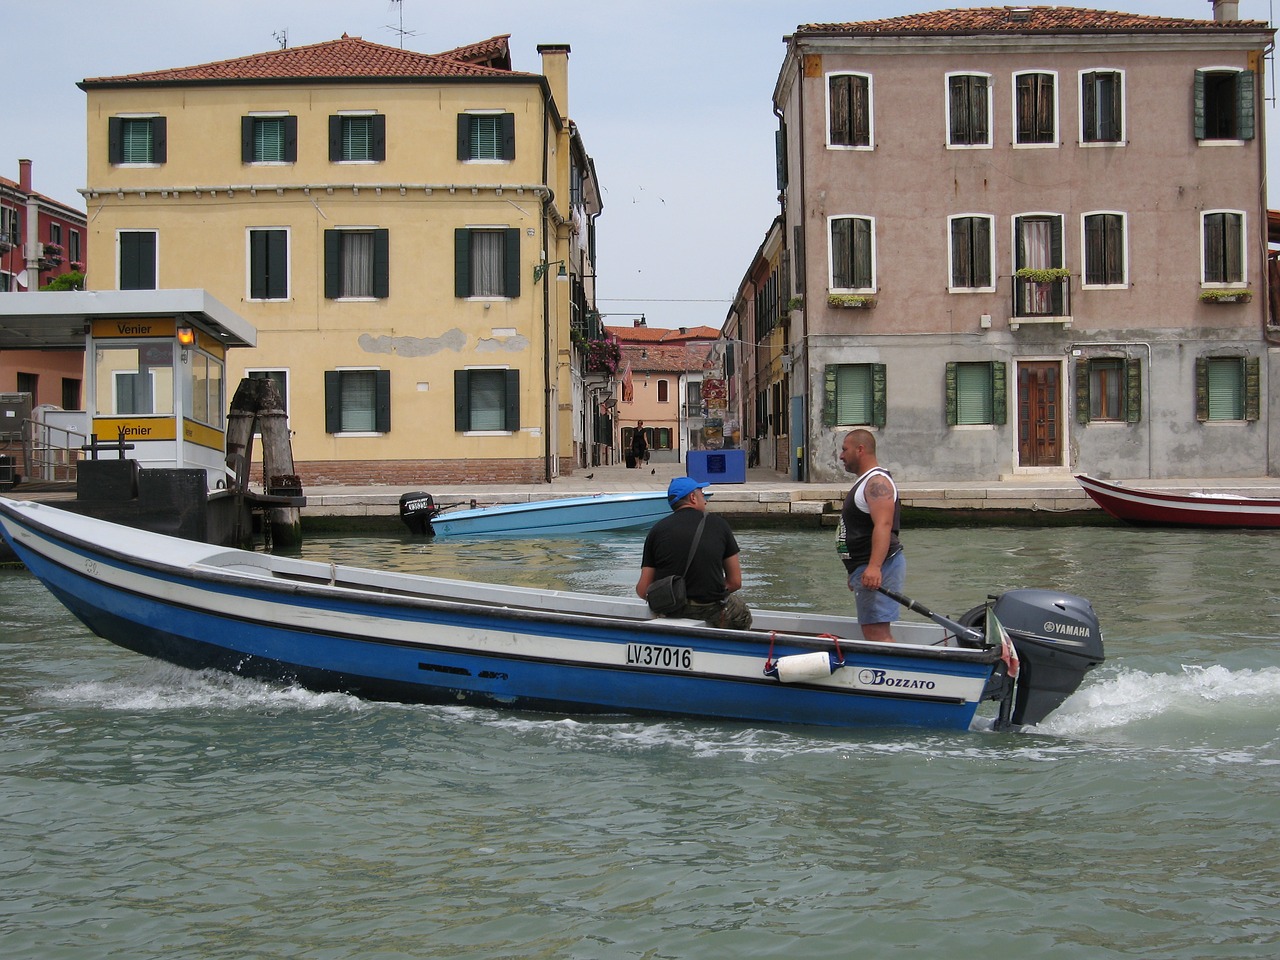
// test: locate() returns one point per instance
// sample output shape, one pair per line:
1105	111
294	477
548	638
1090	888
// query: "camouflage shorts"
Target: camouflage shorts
732	613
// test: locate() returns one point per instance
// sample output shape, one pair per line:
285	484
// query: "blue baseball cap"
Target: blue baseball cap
681	487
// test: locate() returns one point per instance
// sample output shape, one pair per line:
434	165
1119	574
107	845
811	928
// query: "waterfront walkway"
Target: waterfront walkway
765	492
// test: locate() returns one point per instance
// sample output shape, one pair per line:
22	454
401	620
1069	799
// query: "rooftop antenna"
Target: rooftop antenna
282	38
399	30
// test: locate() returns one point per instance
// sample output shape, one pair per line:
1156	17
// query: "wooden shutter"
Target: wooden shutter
1082	391
862	253
1245	115
464	136
879	394
1198	109
332	401
159	140
829	379
290	139
335	139
332	264
462	262
461	401
780	155
953	393
1252	388
382	401
137	260
246	139
513	400
378	125
1202	389
511	262
508	128
999	392
381	263
115	140
841	132
1133	391
258	259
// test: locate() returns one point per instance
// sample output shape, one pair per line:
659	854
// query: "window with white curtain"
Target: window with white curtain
357	263
487	263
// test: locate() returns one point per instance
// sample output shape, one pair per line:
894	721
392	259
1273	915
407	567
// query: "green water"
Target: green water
148	812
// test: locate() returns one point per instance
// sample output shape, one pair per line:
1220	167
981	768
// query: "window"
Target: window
29	383
968	110
137	255
269	139
976	393
1104	250
972	253
486	136
136	140
1038	246
9	232
855	395
357	401
70	393
134	379
1035	109
55	233
1227	388
1223	104
356	264
664	391
849	110
852	253
486	400
1101	106
1223	232
487	262
204	381
1108	389
268	264
357	138
73	246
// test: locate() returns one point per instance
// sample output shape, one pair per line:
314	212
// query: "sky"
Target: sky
673	99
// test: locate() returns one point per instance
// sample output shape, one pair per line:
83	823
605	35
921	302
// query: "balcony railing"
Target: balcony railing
1040	301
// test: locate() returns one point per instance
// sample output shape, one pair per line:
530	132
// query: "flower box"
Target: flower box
1226	296
851	301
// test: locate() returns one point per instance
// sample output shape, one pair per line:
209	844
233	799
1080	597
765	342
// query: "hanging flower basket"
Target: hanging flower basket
1226	296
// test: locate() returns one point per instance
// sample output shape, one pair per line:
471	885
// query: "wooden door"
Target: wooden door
1039	423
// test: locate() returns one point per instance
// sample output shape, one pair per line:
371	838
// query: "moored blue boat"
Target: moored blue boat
555	517
412	638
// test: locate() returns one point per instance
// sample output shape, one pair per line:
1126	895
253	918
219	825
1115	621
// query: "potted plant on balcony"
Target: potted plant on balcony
1042	274
1226	296
51	254
851	301
599	356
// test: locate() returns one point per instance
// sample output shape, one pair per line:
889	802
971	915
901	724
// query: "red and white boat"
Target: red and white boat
1155	508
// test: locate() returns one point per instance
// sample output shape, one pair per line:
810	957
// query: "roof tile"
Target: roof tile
1025	20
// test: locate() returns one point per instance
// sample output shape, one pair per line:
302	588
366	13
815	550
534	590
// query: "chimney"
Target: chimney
24	175
555	67
1224	11
635	323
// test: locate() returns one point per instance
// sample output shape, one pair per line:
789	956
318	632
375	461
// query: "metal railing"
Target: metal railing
49	452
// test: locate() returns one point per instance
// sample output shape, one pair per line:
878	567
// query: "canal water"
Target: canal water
149	812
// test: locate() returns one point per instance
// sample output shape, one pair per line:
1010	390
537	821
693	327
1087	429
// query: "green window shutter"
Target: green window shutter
382	401
953	394
1202	389
508	136
290	139
1082	391
115	140
999	392
258	259
246	139
1197	97
461	401
829	395
1244	87
1133	391
462	262
138	260
159	139
332	264
1252	388
332	402
379	145
464	136
780	152
511	262
879	394
513	400
381	263
335	139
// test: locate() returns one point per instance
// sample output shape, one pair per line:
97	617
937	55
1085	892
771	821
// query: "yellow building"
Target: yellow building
409	233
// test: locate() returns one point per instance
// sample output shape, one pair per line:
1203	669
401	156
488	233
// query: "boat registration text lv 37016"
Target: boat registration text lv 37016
649	655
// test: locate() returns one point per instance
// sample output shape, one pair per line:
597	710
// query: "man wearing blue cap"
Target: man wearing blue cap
711	570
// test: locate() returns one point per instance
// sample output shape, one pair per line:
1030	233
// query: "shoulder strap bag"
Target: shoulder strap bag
666	597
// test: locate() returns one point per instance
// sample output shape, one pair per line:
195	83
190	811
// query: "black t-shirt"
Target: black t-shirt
666	549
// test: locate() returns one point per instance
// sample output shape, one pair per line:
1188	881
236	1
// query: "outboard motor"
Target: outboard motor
417	510
1058	641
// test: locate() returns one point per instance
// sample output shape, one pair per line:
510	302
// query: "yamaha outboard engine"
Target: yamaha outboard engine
1058	641
417	511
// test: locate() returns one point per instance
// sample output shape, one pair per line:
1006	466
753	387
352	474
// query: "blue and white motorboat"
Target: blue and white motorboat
535	518
410	638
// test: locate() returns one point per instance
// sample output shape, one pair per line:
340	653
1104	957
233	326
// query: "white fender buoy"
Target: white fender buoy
804	666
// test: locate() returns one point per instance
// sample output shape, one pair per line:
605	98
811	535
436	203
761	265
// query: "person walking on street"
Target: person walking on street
711	568
639	445
868	536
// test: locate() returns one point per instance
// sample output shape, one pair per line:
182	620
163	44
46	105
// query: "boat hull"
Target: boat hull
386	636
1153	508
570	515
